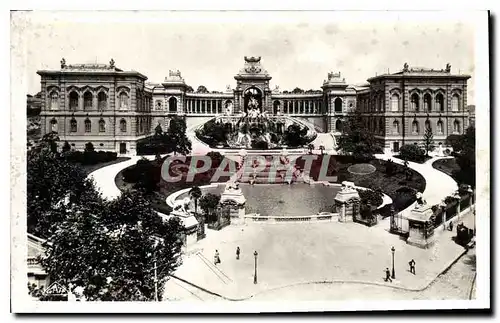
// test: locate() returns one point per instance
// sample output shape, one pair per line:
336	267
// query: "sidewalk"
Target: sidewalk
333	252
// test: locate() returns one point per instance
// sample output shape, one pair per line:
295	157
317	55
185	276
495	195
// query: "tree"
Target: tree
195	194
355	140
189	89
49	180
428	140
66	147
158	131
455	142
89	147
148	176
208	203
176	139
466	158
412	153
297	90
201	89
311	148
111	248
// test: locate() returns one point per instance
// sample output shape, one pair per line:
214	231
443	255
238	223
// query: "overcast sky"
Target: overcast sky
297	49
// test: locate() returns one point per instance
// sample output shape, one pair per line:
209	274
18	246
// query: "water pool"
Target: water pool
284	200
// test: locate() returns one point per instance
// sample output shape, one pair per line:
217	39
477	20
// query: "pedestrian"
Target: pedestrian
216	257
412	266
388	275
237	253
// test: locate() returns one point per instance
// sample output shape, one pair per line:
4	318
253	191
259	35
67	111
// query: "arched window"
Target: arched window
102	126
455	102
72	125
88	125
427	102
394	102
414	127
440	127
53	125
338	125
172	104
54	100
381	125
123	99
427	125
439	102
102	101
123	125
87	100
158	104
415	102
395	127
381	104
338	105
456	127
73	100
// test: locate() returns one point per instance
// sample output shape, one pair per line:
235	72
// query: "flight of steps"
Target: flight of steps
248	173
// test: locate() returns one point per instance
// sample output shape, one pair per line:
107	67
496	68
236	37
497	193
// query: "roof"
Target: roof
92	68
412	72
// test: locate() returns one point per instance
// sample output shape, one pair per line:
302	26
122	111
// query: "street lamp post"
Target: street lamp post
393	271
255	274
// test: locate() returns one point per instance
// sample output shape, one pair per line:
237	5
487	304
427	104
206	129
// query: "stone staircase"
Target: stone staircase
276	171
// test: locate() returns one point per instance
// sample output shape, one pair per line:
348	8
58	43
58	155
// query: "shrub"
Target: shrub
89	146
412	153
405	196
66	147
390	168
374	197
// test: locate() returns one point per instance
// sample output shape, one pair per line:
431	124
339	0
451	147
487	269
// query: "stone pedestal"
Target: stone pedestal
233	198
421	227
347	202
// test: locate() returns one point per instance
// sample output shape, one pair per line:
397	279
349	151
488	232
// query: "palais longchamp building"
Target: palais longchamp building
113	108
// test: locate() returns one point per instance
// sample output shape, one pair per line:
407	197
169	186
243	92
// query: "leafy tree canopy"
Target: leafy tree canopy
356	140
111	248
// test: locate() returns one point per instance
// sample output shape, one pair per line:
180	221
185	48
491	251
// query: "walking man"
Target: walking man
216	257
412	266
388	275
237	253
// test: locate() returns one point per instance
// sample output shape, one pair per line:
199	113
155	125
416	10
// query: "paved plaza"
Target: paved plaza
290	255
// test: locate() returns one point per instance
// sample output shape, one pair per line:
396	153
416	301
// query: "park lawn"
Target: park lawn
91	168
418	161
392	185
447	166
164	189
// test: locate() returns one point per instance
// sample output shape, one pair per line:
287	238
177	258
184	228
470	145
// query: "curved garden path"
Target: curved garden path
438	185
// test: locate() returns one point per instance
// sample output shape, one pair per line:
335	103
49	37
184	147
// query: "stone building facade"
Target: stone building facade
399	107
111	108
